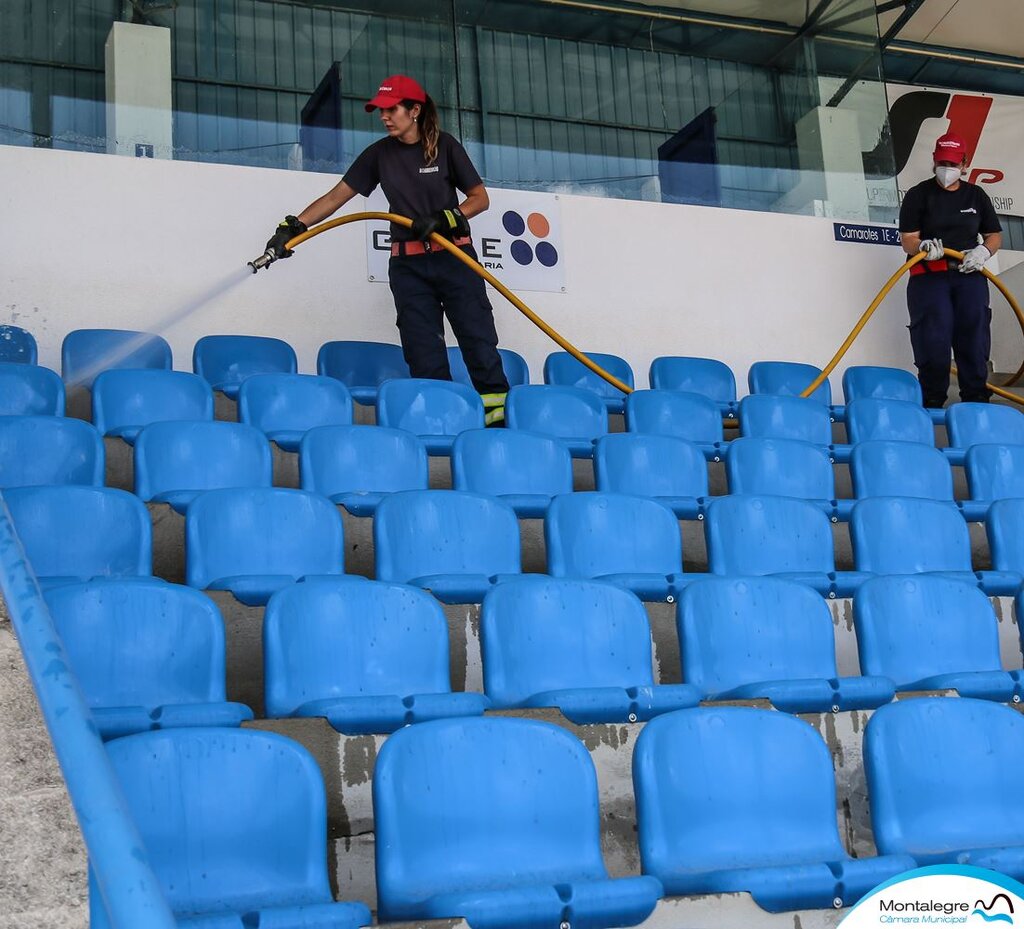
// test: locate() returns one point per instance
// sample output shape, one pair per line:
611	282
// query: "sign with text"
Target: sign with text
866	235
519	240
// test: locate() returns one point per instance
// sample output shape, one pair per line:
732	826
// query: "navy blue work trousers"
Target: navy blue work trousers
429	287
950	311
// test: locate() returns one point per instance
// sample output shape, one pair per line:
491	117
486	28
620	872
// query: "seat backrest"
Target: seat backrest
737	630
563	369
705	376
787	379
524	795
766	416
85	353
540	634
18	346
1005	539
49	450
995	472
974	423
514	365
141	642
138	397
361	459
943	775
756	535
227	360
871	418
82	532
900	469
417	533
564	412
650	466
674	412
200	456
232	819
351	637
510	461
784	467
862	381
910	627
425	407
30	390
593	534
293	402
779	804
361	366
261	531
908	535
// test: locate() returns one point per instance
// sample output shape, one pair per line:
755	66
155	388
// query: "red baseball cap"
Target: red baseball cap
949	147
393	90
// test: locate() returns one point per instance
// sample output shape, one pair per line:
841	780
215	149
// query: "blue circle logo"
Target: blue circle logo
522	251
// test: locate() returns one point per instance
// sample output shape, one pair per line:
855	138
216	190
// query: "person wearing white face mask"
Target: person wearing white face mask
948	300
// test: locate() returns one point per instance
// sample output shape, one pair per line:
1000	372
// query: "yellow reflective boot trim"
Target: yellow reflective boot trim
497	415
493	399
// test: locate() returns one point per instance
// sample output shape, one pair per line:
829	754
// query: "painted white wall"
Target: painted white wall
103	241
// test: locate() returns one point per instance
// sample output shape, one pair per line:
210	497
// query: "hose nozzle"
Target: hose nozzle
263	261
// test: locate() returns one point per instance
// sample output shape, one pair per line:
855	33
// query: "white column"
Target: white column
138	66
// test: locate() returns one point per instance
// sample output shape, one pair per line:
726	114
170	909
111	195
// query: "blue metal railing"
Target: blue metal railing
131	892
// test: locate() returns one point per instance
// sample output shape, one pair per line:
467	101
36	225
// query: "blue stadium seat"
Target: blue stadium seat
910	535
514	365
581	646
453	542
787	379
361	366
370	657
436	411
631	541
524	469
995	472
227	360
253	541
747	638
85	353
287	406
785	468
869	419
125	401
984	423
234	825
563	370
30	390
497	821
672	471
576	416
705	376
863	381
18	346
943	776
49	450
357	466
175	461
766	826
147	654
1005	538
678	414
765	416
75	533
932	633
782	536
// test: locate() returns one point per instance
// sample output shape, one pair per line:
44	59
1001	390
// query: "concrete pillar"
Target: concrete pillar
138	69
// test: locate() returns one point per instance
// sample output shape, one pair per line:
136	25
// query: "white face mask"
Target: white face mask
947	177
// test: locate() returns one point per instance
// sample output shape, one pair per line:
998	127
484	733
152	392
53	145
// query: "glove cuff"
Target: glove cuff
293	224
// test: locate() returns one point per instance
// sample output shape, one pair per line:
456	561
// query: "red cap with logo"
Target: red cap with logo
393	90
949	147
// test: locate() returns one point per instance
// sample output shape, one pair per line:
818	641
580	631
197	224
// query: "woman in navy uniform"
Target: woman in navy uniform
420	169
948	300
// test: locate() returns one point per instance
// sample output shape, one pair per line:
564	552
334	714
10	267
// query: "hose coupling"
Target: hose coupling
263	261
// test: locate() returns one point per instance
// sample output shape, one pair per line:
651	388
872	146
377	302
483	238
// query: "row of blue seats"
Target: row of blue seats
371	657
357	465
498	820
457	544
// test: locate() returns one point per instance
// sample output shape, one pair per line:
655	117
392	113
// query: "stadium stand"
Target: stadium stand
436	411
30	390
995	472
286	406
49	450
573	414
227	360
873	418
86	353
787	379
361	366
705	376
515	367
562	370
681	415
124	401
18	345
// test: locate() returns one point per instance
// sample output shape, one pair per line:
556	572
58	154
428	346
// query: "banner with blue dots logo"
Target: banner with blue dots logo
519	240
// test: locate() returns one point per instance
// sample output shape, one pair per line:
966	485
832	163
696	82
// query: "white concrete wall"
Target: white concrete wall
96	240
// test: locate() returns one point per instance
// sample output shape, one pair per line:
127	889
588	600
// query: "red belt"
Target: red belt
930	267
416	247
